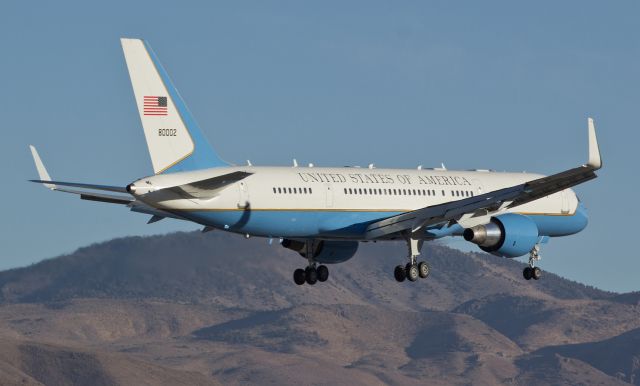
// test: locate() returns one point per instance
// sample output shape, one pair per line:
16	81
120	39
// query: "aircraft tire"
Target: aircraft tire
412	272
536	273
323	273
299	276
400	274
311	275
423	269
527	273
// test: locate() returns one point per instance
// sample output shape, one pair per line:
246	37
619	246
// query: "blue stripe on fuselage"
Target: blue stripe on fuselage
351	224
556	226
290	223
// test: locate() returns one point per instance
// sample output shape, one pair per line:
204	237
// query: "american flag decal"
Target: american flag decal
154	105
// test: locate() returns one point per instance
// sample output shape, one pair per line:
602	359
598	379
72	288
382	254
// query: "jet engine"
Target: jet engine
508	235
324	251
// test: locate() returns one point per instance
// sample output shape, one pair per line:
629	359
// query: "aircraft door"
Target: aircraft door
243	198
329	195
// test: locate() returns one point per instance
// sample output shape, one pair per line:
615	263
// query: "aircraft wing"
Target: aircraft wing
206	188
45	179
492	201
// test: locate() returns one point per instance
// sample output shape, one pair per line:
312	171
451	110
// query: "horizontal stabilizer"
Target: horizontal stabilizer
155	218
209	187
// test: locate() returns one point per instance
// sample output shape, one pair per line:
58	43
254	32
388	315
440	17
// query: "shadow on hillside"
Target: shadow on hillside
277	331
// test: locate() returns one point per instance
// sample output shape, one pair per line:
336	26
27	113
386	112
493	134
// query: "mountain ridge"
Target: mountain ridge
216	308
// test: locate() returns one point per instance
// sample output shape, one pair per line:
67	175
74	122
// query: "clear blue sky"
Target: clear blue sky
502	85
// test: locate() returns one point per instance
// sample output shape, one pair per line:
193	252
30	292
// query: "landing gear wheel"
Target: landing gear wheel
423	269
399	273
323	273
299	276
536	273
527	272
311	275
412	272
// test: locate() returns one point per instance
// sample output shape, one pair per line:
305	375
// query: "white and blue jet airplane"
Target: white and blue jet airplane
324	213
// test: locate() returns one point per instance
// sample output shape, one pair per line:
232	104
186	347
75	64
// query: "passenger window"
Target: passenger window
310	191
274	190
289	190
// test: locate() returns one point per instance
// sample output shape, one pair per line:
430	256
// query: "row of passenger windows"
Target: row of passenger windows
379	191
405	192
462	193
292	190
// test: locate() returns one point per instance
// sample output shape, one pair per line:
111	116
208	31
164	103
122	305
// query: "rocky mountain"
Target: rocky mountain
192	308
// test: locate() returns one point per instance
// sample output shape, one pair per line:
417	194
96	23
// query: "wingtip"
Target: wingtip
43	174
595	160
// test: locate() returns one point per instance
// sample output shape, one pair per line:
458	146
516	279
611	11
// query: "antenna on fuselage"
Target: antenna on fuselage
295	163
371	166
443	167
249	163
419	167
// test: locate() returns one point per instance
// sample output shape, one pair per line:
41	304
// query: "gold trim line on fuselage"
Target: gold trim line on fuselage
344	210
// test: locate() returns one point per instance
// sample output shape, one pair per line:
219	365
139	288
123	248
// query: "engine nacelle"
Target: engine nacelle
507	235
324	251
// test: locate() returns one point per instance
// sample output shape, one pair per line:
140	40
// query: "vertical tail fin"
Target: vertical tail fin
175	140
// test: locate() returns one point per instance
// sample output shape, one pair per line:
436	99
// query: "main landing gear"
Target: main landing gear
413	269
313	273
531	271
